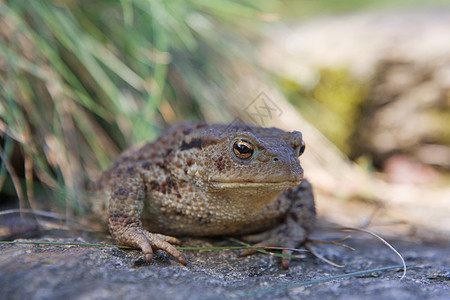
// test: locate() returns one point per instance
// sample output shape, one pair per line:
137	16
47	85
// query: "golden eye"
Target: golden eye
243	149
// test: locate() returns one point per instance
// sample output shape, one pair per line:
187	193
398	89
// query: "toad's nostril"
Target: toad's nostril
275	159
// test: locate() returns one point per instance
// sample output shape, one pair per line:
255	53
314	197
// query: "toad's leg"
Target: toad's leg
125	208
297	225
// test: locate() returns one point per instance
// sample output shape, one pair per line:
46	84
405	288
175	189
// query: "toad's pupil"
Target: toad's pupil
243	149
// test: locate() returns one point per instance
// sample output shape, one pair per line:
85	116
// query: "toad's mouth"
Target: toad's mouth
256	184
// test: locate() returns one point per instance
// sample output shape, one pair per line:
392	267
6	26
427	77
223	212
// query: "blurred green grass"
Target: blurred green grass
84	79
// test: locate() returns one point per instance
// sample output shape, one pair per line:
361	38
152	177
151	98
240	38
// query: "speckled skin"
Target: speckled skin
193	181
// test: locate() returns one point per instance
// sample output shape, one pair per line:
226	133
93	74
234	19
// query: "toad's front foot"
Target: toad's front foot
134	235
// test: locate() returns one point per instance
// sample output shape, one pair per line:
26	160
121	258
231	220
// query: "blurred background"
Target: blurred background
367	82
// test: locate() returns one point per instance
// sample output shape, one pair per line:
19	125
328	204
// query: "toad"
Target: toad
205	180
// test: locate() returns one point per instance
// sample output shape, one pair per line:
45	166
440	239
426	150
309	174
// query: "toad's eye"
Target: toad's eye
243	149
301	149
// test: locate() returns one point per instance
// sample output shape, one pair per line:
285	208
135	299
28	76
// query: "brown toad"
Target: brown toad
208	180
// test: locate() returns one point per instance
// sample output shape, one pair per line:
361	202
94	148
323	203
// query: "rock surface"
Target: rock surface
58	272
